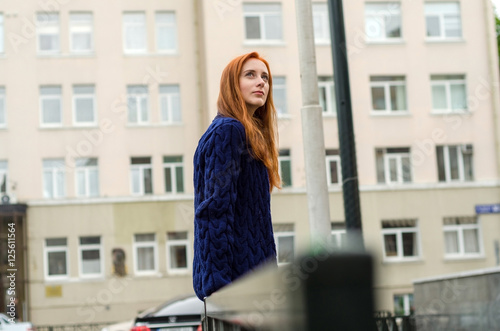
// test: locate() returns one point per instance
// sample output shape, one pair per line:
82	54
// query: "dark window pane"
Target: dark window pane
148	181
378	98
409	244
179	177
390	245
168	179
286	173
440	161
57	263
252	25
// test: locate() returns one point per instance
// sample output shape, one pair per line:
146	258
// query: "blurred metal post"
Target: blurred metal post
312	130
350	188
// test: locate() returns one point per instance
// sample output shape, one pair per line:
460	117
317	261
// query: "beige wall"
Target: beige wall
206	43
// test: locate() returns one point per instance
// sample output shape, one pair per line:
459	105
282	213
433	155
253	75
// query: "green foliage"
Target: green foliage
497	24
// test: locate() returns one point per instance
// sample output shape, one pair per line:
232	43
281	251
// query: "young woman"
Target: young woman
235	169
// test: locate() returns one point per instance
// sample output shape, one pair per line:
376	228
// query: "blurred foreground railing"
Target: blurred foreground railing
320	292
73	327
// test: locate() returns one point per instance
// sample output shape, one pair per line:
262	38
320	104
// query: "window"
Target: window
87	177
50	103
383	21
174	174
285	242
279	95
338	235
177	252
393	165
262	22
84	105
333	170
138	104
321	23
462	237
54	181
2	34
327	95
170	104
145	256
90	254
142	177
3	112
47	28
4	171
285	167
56	258
401	240
403	304
81	32
134	33
443	20
388	94
166	32
448	93
455	163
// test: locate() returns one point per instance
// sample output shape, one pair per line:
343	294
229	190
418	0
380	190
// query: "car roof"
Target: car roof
185	305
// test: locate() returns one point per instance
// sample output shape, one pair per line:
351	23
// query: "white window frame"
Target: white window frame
54	171
340	237
328	86
460	228
138	97
158	25
52	29
321	20
335	158
53	249
387	96
124	34
84	96
399	244
398	157
78	27
4	103
145	244
141	168
51	97
178	242
279	234
92	247
261	15
168	97
4	171
447	166
447	85
380	18
173	172
85	170
442	33
285	158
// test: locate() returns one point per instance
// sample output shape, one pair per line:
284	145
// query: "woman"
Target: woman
235	169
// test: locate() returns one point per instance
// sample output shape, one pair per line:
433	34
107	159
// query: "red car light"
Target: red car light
199	328
140	328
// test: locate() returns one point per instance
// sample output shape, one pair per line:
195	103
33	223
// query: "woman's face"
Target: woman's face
254	84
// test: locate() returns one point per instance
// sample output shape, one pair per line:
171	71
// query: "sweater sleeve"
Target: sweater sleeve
215	209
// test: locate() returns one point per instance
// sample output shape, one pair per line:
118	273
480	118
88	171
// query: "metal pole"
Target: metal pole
312	130
350	188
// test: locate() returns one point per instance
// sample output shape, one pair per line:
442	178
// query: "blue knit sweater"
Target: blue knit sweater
232	225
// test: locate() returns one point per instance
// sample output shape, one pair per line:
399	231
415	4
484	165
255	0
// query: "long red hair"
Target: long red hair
261	130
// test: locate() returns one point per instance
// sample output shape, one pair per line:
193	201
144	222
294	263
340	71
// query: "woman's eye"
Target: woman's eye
266	78
249	74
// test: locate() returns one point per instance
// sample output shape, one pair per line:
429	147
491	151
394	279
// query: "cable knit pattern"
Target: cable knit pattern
232	226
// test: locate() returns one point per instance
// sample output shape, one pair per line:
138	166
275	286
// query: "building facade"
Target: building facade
102	105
